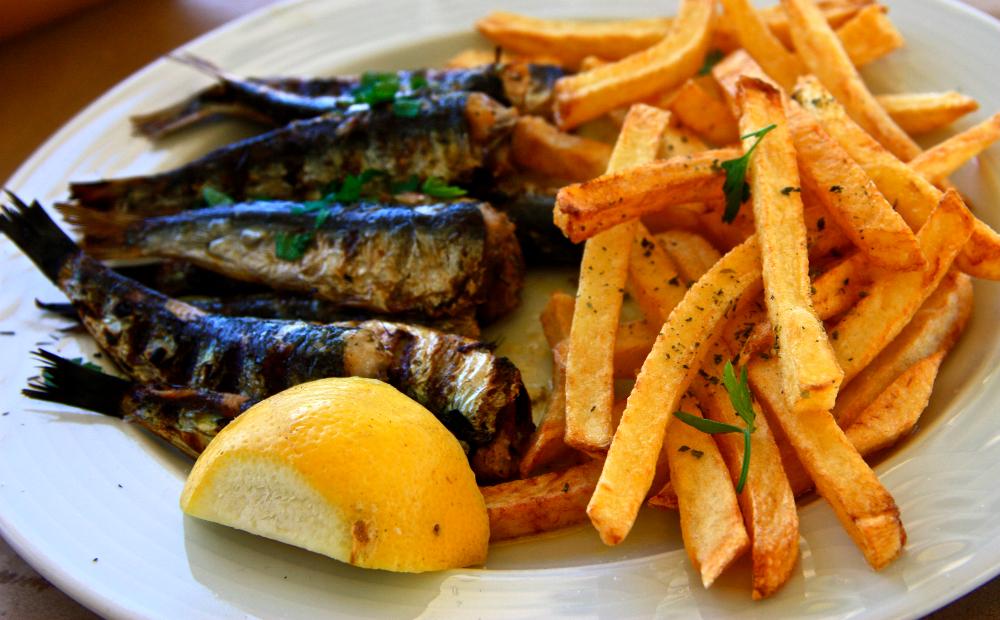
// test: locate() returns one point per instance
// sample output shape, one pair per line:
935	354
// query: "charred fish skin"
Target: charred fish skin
280	100
156	339
449	138
434	260
186	418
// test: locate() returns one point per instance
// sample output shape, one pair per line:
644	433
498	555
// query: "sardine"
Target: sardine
288	307
158	340
281	100
449	138
438	260
189	418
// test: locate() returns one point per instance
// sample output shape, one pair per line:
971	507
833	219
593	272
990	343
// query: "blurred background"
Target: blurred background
56	56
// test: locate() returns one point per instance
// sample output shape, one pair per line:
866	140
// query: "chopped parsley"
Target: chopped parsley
736	189
712	58
376	88
739	396
435	187
406	108
214	197
292	247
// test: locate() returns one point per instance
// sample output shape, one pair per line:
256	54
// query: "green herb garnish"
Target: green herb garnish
435	187
712	58
736	188
418	81
376	88
739	396
406	108
214	197
292	247
411	184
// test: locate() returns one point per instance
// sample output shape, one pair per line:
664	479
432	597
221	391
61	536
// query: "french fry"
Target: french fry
936	163
641	75
547	443
935	326
868	36
696	106
913	196
653	280
837	13
586	209
850	196
809	370
824	55
691	252
666	373
603	271
680	141
767	502
726	235
538	146
632	345
557	317
824	237
540	504
711	522
896	410
895	297
920	113
863	506
572	41
762	44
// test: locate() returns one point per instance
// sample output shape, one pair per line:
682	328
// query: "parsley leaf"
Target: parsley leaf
712	58
735	187
376	88
739	396
214	197
411	184
435	187
406	108
418	81
292	247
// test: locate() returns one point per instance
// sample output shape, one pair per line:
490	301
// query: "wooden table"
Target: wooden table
53	72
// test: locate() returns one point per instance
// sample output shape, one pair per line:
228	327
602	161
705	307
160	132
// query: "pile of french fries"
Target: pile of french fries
840	284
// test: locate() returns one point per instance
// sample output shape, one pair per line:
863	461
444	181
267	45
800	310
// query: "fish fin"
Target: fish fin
40	238
67	382
60	308
104	232
203	65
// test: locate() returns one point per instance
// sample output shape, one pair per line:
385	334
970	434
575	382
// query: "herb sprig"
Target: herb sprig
214	197
736	188
712	58
739	396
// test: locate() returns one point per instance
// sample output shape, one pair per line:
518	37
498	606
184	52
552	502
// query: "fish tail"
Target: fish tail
40	238
67	382
60	308
104	232
200	64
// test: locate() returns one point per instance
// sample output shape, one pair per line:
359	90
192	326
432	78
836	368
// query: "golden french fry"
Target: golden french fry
863	506
572	41
935	326
868	36
538	146
678	56
680	141
603	271
913	196
557	317
896	410
936	163
762	44
585	209
665	375
837	13
726	235
547	443
824	55
711	522
895	297
767	502
919	113
697	106
540	504
653	280
850	196
691	252
808	366
632	345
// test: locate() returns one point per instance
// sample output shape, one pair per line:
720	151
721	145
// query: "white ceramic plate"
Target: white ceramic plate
92	503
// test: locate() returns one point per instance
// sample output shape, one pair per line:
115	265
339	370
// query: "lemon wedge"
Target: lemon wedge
350	468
